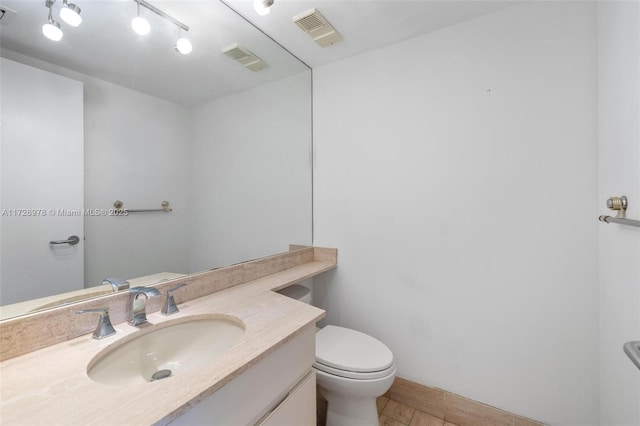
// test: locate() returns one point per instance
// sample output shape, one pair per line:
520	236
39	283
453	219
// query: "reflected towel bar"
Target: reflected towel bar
165	208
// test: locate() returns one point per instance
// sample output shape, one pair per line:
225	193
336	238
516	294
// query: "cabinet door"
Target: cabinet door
298	408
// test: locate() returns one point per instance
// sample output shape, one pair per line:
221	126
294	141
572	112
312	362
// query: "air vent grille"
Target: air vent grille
237	53
321	31
310	23
245	57
6	15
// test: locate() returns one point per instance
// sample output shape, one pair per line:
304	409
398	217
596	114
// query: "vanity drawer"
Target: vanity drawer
254	395
298	408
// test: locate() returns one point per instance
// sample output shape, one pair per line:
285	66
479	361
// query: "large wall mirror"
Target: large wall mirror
106	115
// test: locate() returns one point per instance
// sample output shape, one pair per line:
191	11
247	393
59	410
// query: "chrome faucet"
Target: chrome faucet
170	306
117	284
138	304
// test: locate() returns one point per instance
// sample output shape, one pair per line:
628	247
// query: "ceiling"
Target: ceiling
364	24
104	46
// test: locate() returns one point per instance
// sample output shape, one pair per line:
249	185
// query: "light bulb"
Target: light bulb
183	45
70	13
262	7
52	31
140	25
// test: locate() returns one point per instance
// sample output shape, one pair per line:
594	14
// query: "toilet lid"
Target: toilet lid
350	350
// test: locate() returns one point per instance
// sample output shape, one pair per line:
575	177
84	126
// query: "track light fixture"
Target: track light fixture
51	29
139	24
262	7
70	13
183	44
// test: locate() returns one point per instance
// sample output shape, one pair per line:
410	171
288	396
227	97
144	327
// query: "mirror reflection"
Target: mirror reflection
105	115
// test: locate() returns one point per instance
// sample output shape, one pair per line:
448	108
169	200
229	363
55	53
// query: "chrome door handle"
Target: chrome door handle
632	349
72	240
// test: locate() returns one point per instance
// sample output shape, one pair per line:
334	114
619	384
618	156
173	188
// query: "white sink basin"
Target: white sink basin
176	346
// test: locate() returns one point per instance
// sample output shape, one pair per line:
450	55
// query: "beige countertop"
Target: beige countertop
51	385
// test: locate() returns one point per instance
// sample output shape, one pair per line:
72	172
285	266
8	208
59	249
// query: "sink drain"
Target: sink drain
160	374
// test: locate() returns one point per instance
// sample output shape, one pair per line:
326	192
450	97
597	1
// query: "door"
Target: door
41	187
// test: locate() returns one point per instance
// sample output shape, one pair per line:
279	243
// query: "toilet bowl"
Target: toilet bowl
352	370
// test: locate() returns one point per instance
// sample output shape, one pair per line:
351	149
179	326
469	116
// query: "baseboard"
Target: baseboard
451	407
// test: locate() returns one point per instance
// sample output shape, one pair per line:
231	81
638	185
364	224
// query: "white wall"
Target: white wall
457	174
619	156
247	199
137	151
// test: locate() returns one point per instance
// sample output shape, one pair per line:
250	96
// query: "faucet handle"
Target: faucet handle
117	284
104	327
170	306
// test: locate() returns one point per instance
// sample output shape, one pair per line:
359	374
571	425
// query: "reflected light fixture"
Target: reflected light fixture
262	7
139	24
183	44
70	13
51	29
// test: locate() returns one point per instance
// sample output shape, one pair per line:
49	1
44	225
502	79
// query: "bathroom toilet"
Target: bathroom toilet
352	370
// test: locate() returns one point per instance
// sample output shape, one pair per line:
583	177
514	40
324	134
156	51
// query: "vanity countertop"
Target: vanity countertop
51	386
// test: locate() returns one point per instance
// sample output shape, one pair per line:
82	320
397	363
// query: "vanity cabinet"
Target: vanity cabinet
279	389
295	409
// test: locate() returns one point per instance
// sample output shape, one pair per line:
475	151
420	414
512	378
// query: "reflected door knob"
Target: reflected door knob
72	240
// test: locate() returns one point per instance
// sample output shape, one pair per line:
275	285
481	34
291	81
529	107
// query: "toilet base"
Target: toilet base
352	402
344	411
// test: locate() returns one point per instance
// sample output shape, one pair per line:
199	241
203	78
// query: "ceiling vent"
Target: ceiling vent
245	57
6	15
321	31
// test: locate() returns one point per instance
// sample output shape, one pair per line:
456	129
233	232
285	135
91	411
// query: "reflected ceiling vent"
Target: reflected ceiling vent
6	15
245	57
313	23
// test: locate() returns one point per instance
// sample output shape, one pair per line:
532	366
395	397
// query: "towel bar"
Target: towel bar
618	204
165	208
622	221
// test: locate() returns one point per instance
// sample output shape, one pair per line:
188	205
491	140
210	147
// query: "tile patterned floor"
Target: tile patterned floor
393	413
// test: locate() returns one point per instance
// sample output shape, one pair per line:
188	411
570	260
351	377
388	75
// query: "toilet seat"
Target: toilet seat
351	354
354	374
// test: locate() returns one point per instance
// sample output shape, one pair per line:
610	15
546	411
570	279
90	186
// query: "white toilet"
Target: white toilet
352	370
